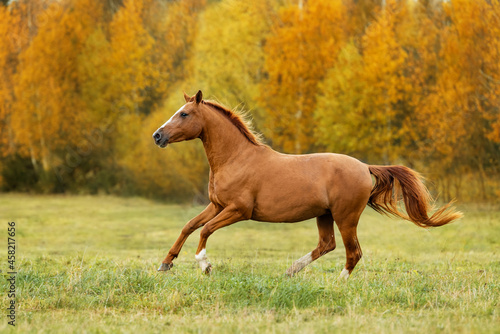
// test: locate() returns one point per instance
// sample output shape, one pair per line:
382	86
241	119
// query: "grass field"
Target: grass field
88	264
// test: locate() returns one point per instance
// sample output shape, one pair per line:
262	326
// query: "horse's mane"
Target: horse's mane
239	121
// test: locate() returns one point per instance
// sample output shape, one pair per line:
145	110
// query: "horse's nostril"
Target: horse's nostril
157	136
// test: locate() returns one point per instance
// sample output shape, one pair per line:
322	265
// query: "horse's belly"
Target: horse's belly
288	208
290	216
290	196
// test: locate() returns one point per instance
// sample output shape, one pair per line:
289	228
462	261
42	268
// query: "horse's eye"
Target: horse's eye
183	114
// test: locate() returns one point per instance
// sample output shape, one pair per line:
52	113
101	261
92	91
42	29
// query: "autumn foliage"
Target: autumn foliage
83	85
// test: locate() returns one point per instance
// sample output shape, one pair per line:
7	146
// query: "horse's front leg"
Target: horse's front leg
206	215
228	216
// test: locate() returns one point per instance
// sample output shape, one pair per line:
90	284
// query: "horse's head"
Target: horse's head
185	124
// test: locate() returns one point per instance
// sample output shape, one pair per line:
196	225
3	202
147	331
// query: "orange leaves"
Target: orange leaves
420	87
6	70
47	85
386	81
364	100
464	100
302	47
130	60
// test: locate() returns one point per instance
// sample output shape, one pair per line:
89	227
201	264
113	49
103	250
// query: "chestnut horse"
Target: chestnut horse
249	180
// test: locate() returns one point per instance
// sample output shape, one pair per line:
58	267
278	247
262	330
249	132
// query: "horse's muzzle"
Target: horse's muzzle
160	139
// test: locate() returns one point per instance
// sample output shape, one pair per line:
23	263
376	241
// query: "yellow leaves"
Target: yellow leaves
339	109
131	58
47	83
461	102
41	87
414	81
366	105
231	68
302	47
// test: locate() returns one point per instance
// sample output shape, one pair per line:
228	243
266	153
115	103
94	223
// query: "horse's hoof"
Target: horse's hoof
165	266
208	270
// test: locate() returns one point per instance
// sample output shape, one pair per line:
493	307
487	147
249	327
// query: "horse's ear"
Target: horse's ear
187	97
199	97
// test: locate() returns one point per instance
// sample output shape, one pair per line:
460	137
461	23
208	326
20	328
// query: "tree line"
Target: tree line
83	85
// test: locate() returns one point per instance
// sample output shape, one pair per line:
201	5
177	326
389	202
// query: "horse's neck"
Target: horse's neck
223	142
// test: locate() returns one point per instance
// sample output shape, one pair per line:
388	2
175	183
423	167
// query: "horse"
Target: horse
250	180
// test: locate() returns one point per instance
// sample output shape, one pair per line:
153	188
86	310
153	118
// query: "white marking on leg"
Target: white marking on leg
344	274
300	264
202	259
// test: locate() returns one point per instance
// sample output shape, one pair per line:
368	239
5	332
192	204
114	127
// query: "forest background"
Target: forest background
84	84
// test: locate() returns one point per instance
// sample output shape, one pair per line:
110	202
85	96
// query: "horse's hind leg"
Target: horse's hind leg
326	244
347	227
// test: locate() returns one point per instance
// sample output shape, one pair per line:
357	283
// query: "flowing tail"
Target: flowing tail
393	181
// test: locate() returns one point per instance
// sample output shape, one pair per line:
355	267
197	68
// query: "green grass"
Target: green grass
88	264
